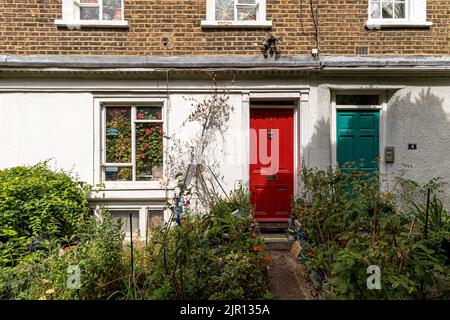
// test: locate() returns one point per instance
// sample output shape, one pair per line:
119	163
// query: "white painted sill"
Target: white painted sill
130	185
378	24
220	24
77	24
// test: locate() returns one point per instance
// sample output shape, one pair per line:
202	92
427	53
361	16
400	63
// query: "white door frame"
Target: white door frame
382	107
300	117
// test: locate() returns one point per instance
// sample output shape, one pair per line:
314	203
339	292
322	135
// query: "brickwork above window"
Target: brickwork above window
174	27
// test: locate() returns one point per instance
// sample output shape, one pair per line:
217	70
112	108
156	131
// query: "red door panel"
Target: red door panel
271	190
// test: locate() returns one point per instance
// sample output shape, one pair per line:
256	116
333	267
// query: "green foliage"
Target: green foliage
44	275
351	225
35	201
216	255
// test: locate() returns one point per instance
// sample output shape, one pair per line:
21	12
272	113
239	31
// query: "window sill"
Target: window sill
221	24
131	185
77	24
377	24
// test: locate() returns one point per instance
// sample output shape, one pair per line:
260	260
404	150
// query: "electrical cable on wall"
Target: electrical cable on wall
315	17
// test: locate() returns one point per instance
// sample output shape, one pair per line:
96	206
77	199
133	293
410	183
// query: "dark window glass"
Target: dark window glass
357	99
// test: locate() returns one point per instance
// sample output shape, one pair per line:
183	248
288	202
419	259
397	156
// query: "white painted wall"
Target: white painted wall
54	122
40	126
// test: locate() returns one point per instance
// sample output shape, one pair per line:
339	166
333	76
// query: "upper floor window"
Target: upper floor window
99	9
78	13
397	13
388	9
236	13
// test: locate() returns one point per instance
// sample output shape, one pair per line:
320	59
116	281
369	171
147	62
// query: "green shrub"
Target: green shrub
99	257
216	255
37	202
351	225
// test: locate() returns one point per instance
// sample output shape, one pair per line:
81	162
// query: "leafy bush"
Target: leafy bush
351	225
37	202
217	255
99	256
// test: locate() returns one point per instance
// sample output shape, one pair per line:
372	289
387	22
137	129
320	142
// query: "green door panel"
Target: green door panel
358	140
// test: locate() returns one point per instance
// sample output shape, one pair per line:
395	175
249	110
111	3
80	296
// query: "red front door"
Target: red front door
271	163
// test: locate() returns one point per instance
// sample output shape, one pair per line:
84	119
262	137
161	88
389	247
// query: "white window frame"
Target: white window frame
99	142
415	16
143	214
260	21
71	16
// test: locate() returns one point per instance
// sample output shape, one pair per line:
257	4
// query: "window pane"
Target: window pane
112	10
360	99
88	1
149	151
387	10
89	13
400	10
124	216
375	11
224	9
118	173
246	13
118	135
148	113
155	218
246	1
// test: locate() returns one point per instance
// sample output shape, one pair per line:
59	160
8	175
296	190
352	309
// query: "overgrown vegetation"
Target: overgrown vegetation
216	255
36	202
350	225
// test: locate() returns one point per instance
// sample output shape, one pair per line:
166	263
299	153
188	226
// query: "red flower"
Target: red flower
158	115
146	145
141	138
141	155
267	259
140	116
255	248
160	130
147	131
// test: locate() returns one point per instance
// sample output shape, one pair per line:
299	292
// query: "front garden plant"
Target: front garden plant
350	225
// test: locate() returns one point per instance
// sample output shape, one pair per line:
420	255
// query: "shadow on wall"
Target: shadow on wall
420	116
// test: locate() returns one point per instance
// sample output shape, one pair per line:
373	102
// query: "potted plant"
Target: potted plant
112	9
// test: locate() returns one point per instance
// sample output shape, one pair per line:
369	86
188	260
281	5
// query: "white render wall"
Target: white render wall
40	126
418	111
57	121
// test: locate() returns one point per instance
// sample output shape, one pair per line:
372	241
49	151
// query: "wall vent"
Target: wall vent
362	50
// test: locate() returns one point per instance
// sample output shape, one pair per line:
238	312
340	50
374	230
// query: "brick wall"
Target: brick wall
27	27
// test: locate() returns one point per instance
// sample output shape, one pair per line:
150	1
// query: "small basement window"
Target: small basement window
92	13
123	216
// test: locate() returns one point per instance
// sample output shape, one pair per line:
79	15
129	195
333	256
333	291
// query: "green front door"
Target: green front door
358	140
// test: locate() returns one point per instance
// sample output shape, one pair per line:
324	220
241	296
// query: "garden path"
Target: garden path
287	280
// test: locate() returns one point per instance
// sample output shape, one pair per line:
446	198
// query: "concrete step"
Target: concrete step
278	241
273	227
